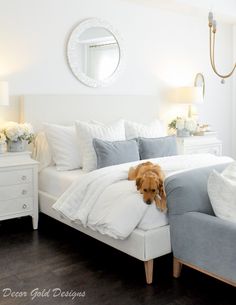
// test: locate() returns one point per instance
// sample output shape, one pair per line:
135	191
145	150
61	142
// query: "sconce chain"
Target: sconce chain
212	32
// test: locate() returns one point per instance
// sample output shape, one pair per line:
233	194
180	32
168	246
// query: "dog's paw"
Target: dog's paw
162	210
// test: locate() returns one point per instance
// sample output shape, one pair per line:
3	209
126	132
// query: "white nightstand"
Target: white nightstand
18	186
200	144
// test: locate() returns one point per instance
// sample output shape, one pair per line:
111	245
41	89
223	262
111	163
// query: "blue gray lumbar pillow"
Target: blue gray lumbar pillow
116	152
157	147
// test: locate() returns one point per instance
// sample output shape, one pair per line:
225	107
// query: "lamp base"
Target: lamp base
183	133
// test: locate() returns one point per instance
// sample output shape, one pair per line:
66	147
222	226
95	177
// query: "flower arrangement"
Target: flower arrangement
18	132
3	138
183	126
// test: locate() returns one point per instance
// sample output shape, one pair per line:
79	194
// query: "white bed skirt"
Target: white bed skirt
143	245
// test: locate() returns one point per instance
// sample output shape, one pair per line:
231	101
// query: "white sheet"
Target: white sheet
106	201
56	182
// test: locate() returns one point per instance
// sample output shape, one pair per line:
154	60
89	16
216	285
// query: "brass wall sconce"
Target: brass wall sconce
212	34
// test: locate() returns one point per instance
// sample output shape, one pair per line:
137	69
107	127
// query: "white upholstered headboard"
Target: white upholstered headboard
65	109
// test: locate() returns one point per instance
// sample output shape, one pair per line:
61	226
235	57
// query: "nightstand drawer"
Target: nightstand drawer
199	145
15	177
214	149
8	207
15	191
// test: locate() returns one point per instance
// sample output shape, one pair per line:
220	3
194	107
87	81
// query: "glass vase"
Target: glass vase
2	148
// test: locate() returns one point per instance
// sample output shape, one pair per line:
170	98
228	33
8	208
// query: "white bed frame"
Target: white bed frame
64	109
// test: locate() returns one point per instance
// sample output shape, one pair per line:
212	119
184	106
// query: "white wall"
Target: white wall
163	49
234	97
223	10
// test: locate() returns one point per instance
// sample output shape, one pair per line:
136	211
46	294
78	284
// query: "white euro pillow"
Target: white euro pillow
64	146
222	193
153	129
86	132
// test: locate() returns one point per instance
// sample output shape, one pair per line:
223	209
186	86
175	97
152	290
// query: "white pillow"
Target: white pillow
41	151
222	192
64	145
154	129
86	132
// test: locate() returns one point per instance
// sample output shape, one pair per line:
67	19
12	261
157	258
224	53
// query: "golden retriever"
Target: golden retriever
150	182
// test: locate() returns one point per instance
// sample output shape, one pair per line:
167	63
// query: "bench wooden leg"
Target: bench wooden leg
177	267
149	271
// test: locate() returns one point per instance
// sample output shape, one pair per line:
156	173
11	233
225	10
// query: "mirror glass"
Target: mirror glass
94	53
98	52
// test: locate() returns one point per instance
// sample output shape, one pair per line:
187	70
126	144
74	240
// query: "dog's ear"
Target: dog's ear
161	189
162	202
139	182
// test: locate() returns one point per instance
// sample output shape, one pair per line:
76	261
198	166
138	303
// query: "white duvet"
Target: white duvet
105	201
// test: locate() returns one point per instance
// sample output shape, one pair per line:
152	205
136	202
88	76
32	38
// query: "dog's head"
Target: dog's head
150	186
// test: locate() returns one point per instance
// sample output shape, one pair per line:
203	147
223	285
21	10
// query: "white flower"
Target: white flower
2	138
14	131
190	125
27	129
28	132
180	124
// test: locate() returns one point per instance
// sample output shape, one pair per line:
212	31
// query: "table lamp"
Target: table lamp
187	95
4	94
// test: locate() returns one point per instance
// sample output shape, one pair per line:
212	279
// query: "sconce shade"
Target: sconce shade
4	94
187	95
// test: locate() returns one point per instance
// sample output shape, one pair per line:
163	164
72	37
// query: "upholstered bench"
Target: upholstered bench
199	239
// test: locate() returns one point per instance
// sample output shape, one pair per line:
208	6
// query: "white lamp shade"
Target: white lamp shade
4	94
187	95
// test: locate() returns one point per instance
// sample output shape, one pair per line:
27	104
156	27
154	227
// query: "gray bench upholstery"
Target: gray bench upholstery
198	238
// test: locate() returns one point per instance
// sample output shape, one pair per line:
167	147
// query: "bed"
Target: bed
145	245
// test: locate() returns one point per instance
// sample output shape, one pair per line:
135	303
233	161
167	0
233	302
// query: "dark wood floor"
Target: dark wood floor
57	256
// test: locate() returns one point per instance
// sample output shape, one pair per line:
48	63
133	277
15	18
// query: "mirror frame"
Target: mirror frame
72	46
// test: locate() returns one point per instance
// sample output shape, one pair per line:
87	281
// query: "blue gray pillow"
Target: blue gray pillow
117	152
157	147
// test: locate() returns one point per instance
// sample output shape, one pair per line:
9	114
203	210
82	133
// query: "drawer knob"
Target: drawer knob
24	206
23	178
24	192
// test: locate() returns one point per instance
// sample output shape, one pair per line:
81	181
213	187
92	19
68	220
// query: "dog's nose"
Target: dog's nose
148	201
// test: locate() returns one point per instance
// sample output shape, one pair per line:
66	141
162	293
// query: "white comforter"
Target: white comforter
105	201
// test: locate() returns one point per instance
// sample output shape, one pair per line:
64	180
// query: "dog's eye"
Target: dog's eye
153	191
145	190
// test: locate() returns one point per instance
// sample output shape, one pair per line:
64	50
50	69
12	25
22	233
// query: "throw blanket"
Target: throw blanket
105	201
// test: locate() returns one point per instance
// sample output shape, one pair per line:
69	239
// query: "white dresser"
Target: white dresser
199	144
18	186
